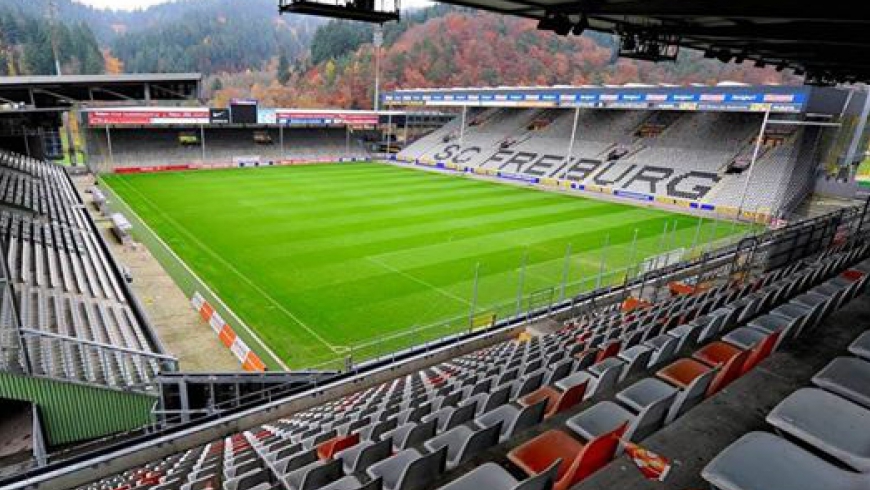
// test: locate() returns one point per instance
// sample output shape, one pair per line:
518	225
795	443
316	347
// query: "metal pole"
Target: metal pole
281	140
565	270
27	143
662	239
109	146
378	40
405	131
755	153
633	251
202	141
713	235
389	131
603	259
346	141
473	297
462	125
697	233
571	141
520	282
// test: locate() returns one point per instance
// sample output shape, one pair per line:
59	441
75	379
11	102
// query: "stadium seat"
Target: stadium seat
832	424
463	443
578	460
409	469
327	449
314	476
682	372
491	476
720	352
353	483
513	420
650	390
861	346
763	461
848	377
606	416
555	400
360	456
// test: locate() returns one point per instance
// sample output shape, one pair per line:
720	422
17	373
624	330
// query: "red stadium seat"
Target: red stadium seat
327	449
556	401
578	460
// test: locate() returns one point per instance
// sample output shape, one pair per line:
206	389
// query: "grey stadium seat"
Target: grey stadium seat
512	419
848	377
409	469
861	346
362	455
491	476
827	422
463	443
763	461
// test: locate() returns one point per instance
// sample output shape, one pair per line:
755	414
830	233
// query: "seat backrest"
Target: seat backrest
731	370
321	475
594	455
530	383
372	454
542	481
459	416
327	450
299	460
382	427
571	397
609	350
478	442
418	412
761	351
527	417
650	419
423	470
496	399
687	398
418	434
559	370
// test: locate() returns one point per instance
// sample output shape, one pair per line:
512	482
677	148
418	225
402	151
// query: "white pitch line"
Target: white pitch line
245	278
418	280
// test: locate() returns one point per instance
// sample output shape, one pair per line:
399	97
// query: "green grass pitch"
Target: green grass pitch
317	259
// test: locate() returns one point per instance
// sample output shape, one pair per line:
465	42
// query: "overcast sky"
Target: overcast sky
134	4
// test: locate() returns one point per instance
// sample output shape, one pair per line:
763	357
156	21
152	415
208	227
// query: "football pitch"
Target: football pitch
323	261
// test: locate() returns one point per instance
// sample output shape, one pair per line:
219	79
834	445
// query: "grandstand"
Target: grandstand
705	154
158	146
552	409
76	317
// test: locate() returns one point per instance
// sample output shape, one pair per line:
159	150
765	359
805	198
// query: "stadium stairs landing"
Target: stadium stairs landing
694	439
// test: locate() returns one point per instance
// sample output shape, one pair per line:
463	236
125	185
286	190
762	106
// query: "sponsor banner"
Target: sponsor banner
148	116
267	116
156	168
246	161
248	359
219	116
633	195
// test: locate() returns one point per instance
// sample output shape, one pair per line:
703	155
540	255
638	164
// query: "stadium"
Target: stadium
576	286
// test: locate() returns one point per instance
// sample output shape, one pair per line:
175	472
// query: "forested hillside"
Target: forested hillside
442	47
245	49
25	45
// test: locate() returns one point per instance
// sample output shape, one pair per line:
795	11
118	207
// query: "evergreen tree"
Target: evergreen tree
283	69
